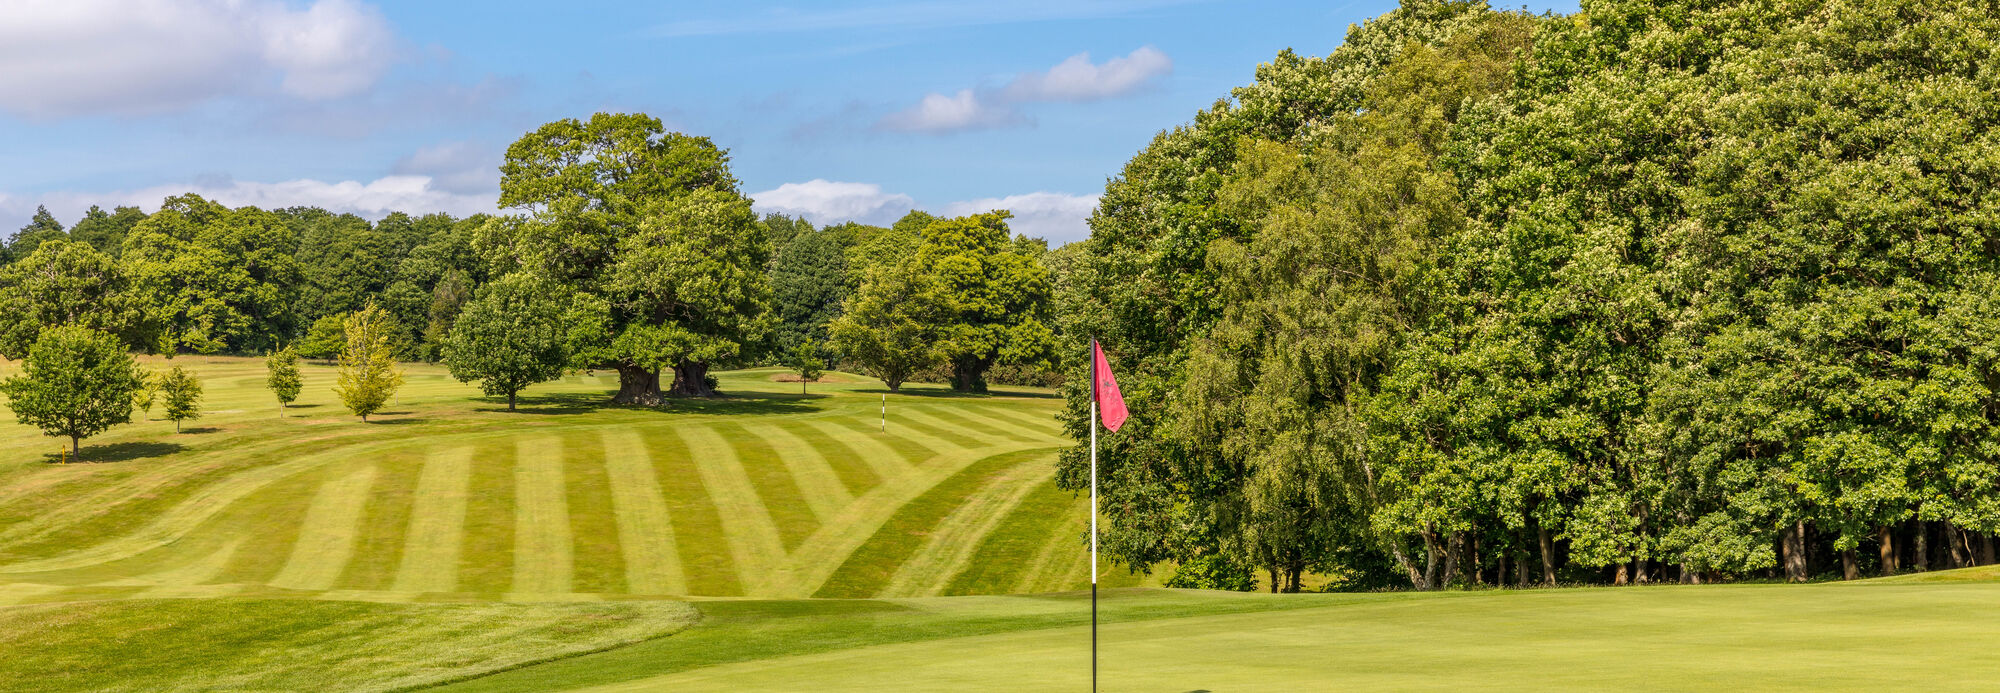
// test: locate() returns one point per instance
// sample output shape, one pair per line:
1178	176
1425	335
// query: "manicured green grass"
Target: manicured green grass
291	644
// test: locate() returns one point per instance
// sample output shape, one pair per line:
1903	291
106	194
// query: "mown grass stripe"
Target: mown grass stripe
871	566
914	424
326	540
378	549
487	562
755	545
1041	421
856	474
1012	428
913	445
887	461
432	547
949	548
706	561
1006	557
645	534
276	511
12	593
823	491
596	559
542	549
955	418
778	488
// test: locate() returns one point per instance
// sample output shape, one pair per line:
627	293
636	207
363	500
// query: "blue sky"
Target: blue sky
853	110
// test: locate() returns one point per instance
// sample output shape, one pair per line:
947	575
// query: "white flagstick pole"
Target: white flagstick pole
1093	515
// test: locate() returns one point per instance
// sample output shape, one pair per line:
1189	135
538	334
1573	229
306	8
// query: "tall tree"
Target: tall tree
509	338
589	189
75	383
207	279
40	229
693	279
106	231
369	375
808	283
992	299
61	283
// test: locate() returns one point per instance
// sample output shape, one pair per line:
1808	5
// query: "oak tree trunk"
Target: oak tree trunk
691	380
1794	543
637	385
1920	555
969	374
510	400
1848	569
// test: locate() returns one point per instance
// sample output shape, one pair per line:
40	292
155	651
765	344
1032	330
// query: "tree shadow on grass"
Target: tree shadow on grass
198	430
120	452
725	403
396	422
554	403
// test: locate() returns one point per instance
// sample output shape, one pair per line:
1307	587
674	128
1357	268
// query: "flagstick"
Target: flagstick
1093	516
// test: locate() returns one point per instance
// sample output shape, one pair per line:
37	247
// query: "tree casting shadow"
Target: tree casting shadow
199	430
936	393
120	452
742	403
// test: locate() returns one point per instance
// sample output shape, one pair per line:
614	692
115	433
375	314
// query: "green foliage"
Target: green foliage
511	337
42	228
75	383
208	279
693	281
284	379
181	391
62	283
990	300
809	281
597	191
106	231
369	375
326	338
147	394
886	325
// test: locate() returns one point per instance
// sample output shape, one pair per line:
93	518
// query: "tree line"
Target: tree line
1658	291
627	248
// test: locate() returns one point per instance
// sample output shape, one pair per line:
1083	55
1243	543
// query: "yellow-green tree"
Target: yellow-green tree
182	392
368	372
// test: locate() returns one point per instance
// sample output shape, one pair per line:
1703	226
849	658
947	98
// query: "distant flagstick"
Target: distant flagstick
1103	387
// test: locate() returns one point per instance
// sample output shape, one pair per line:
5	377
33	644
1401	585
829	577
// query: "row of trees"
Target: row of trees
1661	290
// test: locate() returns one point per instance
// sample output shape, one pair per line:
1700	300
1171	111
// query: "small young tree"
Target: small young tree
148	393
508	338
182	392
368	372
76	382
806	361
284	380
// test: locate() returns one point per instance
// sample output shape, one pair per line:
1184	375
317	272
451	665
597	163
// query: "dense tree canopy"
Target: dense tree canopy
75	383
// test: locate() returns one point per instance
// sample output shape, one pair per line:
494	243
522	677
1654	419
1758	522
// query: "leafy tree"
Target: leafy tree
106	231
326	338
992	301
42	228
808	284
369	375
182	392
886	326
63	283
509	338
75	383
343	262
694	277
284	378
147	394
804	360
597	191
783	229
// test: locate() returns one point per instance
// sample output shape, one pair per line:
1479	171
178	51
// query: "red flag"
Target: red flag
1110	403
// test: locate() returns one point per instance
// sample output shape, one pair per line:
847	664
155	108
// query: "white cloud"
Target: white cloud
1075	79
67	57
830	202
940	113
373	199
456	167
1058	218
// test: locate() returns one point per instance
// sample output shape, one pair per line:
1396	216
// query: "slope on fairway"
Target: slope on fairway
1723	637
766	493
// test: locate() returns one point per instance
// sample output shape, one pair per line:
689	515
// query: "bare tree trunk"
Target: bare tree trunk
1548	555
510	400
1500	570
1888	539
1848	569
1955	541
1622	575
1686	576
1433	558
1986	549
691	380
1642	571
1521	569
1795	552
1403	561
1273	572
